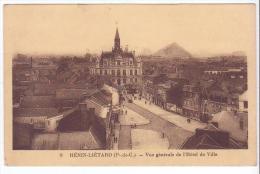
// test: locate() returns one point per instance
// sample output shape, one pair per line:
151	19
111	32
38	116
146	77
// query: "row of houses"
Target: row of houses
197	101
226	73
200	103
45	114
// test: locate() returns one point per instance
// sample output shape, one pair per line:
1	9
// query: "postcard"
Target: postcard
130	84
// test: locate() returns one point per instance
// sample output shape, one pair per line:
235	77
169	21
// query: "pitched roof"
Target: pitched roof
230	122
73	93
110	54
66	141
35	112
38	102
102	97
207	140
202	142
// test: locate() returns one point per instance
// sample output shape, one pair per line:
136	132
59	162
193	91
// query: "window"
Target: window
113	72
124	81
124	72
131	72
105	72
118	72
118	81
136	72
135	80
118	62
246	104
131	62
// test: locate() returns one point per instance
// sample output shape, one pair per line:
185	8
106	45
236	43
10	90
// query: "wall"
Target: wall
100	111
38	122
52	123
115	95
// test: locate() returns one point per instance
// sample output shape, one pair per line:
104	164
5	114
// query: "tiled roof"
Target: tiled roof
73	93
205	141
44	89
102	98
35	112
38	102
65	141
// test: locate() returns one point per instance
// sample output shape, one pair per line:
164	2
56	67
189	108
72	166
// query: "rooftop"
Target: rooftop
210	137
102	97
38	102
36	112
73	93
66	141
231	123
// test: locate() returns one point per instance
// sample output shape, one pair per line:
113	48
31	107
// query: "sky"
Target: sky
77	29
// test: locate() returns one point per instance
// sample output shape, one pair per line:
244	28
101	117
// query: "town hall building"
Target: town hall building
120	66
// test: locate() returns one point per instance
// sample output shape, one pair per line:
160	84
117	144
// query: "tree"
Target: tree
175	95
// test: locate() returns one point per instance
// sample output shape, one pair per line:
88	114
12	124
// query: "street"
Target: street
175	135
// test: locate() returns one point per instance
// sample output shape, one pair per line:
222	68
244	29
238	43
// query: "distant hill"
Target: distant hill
172	51
225	54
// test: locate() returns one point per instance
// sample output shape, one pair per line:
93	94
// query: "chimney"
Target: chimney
82	107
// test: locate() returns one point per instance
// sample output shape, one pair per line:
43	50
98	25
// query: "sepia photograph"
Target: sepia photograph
130	77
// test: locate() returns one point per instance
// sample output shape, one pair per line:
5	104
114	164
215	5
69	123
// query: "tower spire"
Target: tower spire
117	34
117	41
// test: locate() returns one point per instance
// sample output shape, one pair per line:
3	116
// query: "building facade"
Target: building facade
243	102
119	66
192	102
